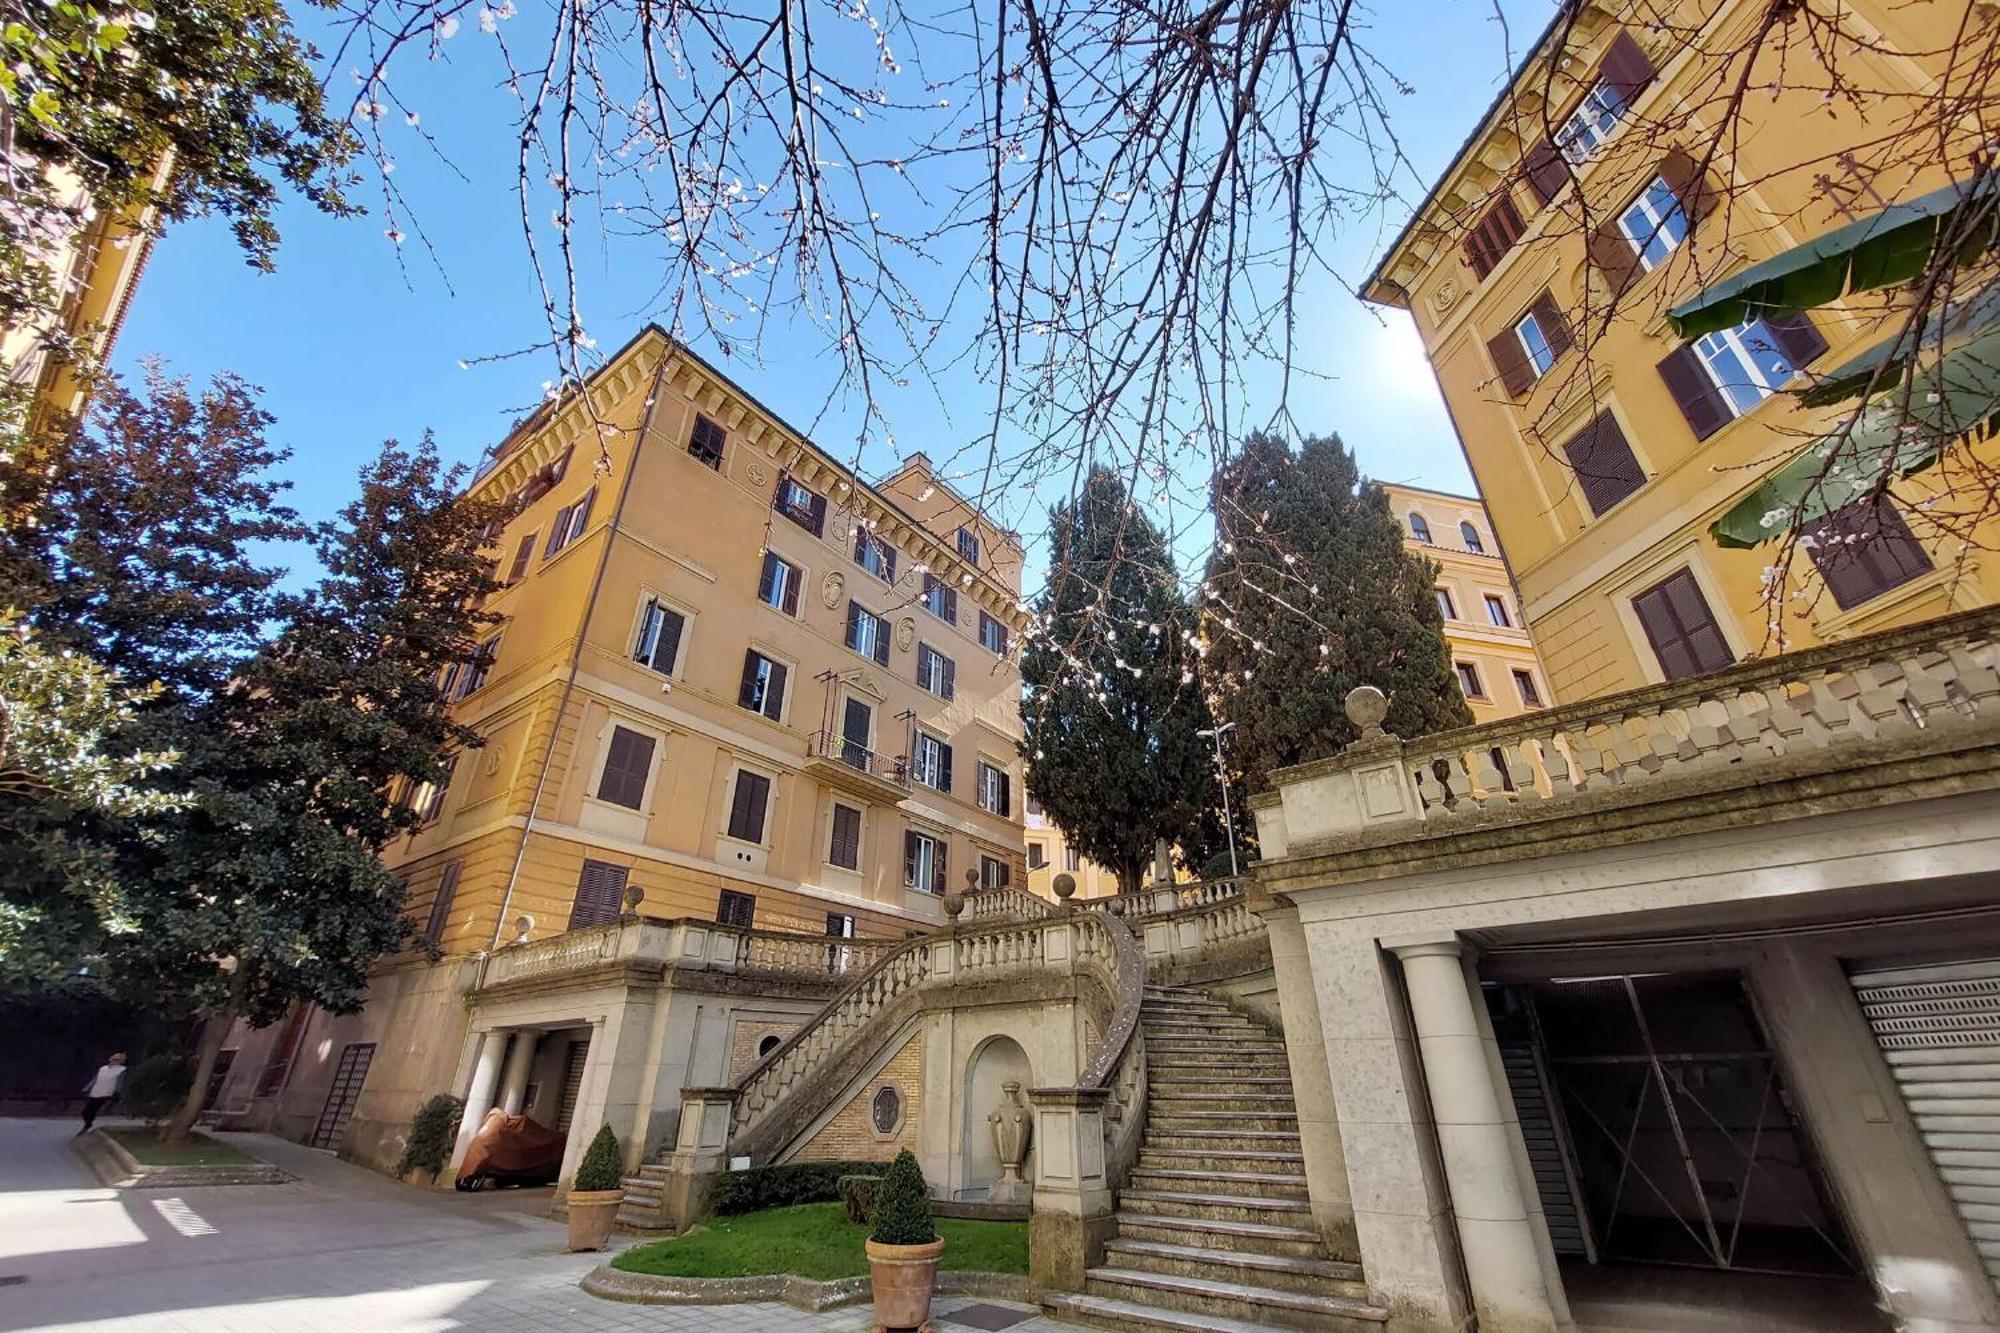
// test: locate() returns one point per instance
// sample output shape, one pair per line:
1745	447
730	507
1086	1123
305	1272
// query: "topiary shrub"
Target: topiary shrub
603	1166
903	1205
154	1088
432	1133
857	1197
761	1187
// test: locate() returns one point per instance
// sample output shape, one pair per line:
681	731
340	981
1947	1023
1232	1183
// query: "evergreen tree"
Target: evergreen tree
1111	700
1311	592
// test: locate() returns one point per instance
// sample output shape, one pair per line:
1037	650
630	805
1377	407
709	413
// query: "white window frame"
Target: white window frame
1006	866
1713	347
931	670
1541	353
877	550
611	726
876	629
791	676
649	599
918	767
985	767
1447	604
933	598
793	571
926	864
1596	118
478	669
1652	224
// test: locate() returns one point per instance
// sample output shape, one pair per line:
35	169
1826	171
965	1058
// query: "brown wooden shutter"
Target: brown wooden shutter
1885	553
854	624
447	890
667	650
881	640
627	762
910	858
581	516
1511	360
1006	795
846	850
746	810
1606	470
940	855
950	676
1694	392
557	531
774	692
1554	327
1625	68
791	599
1492	236
746	689
522	554
600	892
1682	631
944	768
1797	338
1546	171
1613	255
1683	176
818	515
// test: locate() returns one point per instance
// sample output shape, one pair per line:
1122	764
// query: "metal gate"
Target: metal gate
572	1084
348	1077
1939	1029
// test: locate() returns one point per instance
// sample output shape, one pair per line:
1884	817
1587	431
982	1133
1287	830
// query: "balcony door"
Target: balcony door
857	729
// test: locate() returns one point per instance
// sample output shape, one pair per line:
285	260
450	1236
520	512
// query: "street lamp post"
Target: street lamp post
1222	777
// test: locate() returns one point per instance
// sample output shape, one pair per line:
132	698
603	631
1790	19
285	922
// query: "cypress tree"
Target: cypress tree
1311	592
1111	698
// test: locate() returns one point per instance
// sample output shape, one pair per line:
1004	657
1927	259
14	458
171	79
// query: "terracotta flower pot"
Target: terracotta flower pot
902	1276
592	1214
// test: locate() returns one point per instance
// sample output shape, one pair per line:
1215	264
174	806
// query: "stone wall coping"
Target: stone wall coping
615	1284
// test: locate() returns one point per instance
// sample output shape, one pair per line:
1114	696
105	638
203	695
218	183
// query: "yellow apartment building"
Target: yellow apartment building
1490	649
732	684
1050	854
1599	191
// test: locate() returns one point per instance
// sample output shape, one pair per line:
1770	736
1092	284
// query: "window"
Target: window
427	798
569	523
1072	859
600	893
747	806
1496	611
1446	606
706	442
1684	635
1606	470
628	761
763	687
801	504
463	678
940	598
447	889
1524	682
1530	346
867	633
1863	550
1722	375
1470	536
886	1111
769	1042
932	763
996	789
1536	343
1038	855
994	873
844	849
936	672
778	585
839	926
1488	242
735	909
923	861
522	555
659	641
992	635
1591	123
968	545
1468	680
1654	224
1419	528
874	555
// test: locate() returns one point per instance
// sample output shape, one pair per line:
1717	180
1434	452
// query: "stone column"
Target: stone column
479	1097
1072	1212
520	1063
1497	1240
1312	1088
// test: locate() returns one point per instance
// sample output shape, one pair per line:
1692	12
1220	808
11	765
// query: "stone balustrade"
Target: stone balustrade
685	945
1006	904
1906	683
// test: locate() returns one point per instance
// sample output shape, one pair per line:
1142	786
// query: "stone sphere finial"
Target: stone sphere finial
1366	707
954	899
634	895
1065	887
524	925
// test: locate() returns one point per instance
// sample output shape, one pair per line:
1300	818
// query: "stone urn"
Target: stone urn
1013	1125
592	1216
901	1277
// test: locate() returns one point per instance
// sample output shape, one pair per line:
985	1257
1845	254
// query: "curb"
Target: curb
614	1284
115	1168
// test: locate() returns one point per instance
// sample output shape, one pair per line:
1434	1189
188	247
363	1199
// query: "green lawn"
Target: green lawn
199	1150
815	1240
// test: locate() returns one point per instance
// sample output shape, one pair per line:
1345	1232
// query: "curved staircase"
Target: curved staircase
1214	1231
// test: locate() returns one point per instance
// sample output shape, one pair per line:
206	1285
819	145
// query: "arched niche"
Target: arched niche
997	1061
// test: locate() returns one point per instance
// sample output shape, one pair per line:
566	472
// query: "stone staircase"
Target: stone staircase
639	1211
1214	1231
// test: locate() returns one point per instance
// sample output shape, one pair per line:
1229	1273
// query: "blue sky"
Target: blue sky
355	339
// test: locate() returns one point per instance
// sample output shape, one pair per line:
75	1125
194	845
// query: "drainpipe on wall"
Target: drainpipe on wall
576	651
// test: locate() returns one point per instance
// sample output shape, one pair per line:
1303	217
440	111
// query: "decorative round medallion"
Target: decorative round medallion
756	475
833	588
1446	296
906	633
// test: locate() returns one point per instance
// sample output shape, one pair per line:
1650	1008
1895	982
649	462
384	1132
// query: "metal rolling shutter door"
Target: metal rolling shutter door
1939	1028
572	1084
1545	1151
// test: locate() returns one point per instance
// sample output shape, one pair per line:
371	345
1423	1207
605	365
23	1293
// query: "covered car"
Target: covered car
511	1150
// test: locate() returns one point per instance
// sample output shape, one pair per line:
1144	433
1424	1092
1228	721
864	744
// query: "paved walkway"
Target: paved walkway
339	1250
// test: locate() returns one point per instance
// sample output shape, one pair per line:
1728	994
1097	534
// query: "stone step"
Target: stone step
1287	1309
1210	1040
1190	1078
1237	1103
636	1187
1206	1205
1211	1066
655	1170
1153	1158
641	1222
1267	1238
1132	1317
1236	1184
1199	1023
1174	1122
1325	1277
1220	1140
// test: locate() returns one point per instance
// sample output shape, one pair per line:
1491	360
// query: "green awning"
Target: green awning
1887	247
1953	393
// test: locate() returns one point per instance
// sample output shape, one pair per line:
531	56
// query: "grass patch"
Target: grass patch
199	1150
815	1240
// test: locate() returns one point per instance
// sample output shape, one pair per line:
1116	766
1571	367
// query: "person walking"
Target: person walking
103	1086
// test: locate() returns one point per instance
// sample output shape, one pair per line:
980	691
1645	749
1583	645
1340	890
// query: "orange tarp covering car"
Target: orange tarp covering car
513	1150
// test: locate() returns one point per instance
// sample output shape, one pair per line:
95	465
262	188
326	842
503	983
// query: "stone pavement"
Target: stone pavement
339	1250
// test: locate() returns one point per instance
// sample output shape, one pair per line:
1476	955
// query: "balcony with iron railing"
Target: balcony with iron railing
850	766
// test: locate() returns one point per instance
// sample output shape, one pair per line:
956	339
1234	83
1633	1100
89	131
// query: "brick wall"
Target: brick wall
850	1136
746	1035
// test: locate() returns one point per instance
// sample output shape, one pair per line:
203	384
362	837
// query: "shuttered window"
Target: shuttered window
801	504
660	631
522	555
778	584
992	635
923	861
570	522
441	902
874	555
1682	631
1724	374
968	545
705	444
867	633
763	687
940	598
1863	550
736	909
1526	350
936	672
845	848
931	764
1545	170
996	789
1493	236
600	892
994	873
628	761
747	806
1606	470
